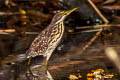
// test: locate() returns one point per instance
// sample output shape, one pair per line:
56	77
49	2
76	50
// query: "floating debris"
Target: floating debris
73	77
97	74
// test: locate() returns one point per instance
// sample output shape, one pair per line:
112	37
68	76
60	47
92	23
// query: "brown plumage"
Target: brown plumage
46	42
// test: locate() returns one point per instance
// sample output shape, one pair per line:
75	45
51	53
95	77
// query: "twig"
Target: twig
98	12
99	26
94	30
7	31
8	13
31	32
87	31
4	33
99	32
114	7
91	41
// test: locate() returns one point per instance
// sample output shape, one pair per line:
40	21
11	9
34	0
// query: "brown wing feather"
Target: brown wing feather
40	44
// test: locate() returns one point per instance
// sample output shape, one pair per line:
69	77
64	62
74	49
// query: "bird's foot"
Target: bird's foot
32	76
49	76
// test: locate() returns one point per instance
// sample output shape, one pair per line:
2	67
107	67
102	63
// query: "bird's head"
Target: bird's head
62	15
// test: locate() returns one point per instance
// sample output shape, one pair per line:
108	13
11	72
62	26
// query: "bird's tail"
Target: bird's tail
20	58
12	59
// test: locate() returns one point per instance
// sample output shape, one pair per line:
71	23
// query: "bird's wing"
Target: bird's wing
40	44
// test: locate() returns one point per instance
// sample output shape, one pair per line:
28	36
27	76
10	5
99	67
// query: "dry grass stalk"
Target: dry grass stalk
99	26
7	30
92	40
98	12
113	56
99	32
115	7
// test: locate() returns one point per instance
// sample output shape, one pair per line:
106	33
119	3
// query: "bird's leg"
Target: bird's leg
30	74
46	64
28	66
49	77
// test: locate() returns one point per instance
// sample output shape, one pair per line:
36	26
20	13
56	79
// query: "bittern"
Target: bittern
48	39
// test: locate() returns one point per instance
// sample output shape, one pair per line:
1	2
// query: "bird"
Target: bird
47	40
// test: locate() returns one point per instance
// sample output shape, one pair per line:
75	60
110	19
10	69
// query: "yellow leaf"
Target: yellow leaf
93	70
22	11
90	74
110	34
73	77
79	76
90	79
108	76
98	70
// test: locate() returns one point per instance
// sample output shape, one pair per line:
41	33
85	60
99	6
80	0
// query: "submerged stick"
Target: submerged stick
91	41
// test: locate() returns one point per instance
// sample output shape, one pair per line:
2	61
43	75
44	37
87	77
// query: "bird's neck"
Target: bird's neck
62	27
58	29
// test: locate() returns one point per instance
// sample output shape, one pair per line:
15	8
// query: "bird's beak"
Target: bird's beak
65	14
68	12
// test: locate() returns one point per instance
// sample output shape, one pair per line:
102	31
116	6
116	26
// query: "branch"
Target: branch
98	12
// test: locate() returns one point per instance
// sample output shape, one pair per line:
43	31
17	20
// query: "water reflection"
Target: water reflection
95	79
